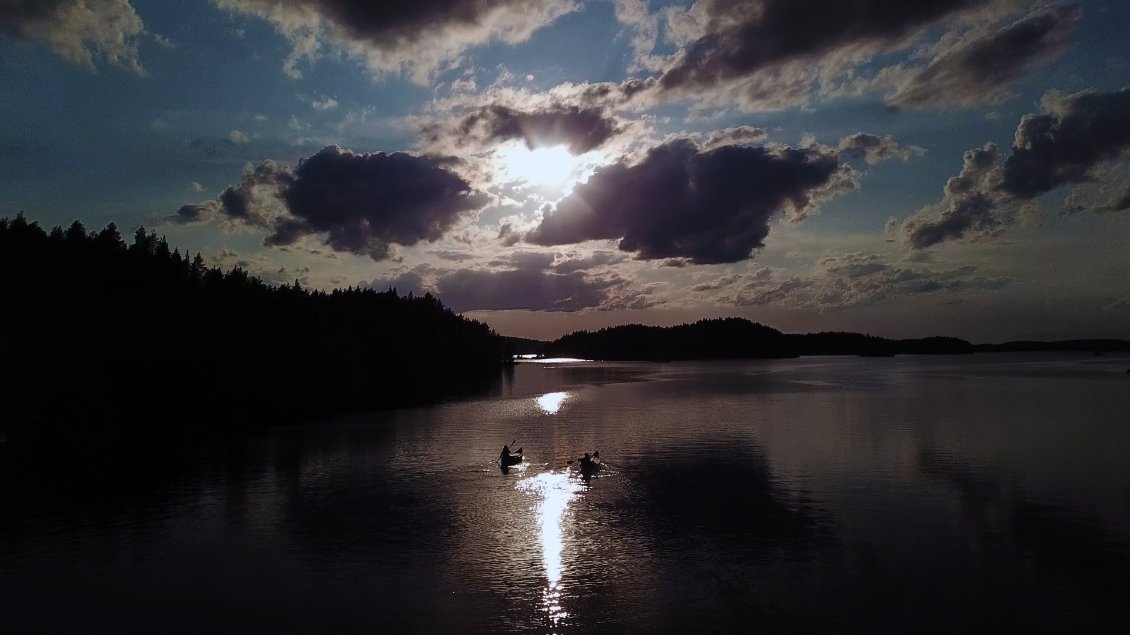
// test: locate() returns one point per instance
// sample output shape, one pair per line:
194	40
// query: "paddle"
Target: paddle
595	455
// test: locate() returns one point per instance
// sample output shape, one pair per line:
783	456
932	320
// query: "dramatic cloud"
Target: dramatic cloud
362	203
530	284
1074	141
774	54
859	278
415	37
980	70
198	213
741	135
252	202
78	30
1063	144
969	204
734	40
853	279
580	129
644	28
596	260
707	206
1107	190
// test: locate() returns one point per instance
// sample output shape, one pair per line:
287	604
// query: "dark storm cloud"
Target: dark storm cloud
78	30
580	129
1068	143
363	203
708	206
981	69
744	37
416	36
399	20
1061	146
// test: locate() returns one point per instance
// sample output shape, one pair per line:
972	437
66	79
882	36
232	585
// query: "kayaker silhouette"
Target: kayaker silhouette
507	458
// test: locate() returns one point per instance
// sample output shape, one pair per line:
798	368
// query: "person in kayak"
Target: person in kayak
506	457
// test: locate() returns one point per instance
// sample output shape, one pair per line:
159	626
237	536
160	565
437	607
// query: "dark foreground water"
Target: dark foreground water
986	493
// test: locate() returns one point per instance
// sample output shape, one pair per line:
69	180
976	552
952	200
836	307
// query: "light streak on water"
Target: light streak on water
551	402
555	491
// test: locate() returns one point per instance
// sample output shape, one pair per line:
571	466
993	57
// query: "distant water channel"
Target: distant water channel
986	493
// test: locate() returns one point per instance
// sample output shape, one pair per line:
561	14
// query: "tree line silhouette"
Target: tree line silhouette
96	331
735	338
97	334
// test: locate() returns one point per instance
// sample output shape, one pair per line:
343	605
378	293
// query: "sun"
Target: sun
552	167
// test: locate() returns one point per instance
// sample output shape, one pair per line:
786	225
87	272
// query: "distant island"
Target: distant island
736	338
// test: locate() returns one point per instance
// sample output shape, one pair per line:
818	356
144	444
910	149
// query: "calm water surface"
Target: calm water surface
986	493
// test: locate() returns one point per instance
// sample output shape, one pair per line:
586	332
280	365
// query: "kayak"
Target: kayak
589	465
512	459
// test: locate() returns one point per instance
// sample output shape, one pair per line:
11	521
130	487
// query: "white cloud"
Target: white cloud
80	31
325	103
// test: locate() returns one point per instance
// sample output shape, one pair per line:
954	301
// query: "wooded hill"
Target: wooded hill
96	330
735	338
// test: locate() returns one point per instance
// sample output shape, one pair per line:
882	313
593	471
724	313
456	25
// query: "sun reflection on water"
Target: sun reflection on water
551	402
555	491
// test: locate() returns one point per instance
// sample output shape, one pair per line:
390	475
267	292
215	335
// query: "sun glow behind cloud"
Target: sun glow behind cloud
553	168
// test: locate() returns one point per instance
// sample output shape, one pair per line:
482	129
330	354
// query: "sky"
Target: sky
905	169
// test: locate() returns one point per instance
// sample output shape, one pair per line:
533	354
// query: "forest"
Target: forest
101	334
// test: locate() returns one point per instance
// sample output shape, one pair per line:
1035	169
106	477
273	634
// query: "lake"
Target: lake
947	494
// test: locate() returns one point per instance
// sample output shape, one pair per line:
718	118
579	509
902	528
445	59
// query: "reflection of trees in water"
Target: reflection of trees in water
729	494
308	529
729	537
1073	569
600	375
